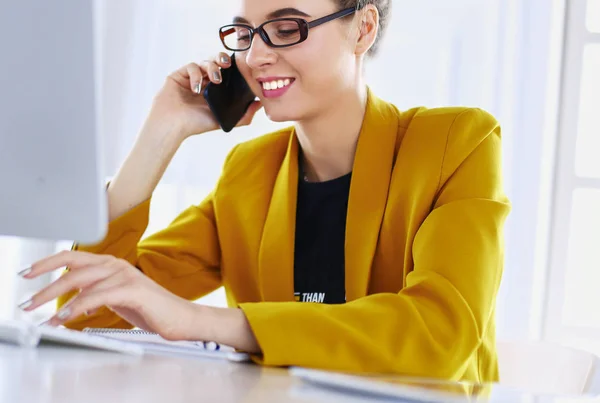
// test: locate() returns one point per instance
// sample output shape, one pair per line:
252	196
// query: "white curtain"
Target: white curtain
495	54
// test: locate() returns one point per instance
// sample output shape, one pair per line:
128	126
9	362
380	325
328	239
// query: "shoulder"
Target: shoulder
449	128
472	123
457	130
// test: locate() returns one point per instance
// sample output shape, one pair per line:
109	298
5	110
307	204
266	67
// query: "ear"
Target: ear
368	26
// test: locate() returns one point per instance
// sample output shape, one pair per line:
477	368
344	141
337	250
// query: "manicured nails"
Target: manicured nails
24	305
198	88
224	59
25	272
217	76
63	313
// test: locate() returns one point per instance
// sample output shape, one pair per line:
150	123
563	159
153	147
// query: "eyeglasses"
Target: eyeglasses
277	33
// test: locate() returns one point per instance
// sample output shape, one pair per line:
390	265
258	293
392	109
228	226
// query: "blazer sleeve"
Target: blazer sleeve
184	258
437	321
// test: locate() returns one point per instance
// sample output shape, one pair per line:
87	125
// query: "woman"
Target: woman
361	239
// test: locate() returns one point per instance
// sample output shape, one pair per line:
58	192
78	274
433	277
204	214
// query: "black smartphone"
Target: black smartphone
230	99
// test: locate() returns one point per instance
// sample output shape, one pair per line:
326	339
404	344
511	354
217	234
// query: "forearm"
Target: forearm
145	165
430	336
225	326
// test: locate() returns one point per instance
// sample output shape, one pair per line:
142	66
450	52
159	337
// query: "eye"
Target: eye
243	36
286	33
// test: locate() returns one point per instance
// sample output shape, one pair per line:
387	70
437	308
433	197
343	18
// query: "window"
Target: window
571	313
583	261
593	16
588	132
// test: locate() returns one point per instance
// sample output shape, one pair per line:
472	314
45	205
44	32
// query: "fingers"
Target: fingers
223	60
92	312
73	259
73	280
190	76
195	76
91	300
213	71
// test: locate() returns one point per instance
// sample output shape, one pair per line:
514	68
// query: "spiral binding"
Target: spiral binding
119	331
207	345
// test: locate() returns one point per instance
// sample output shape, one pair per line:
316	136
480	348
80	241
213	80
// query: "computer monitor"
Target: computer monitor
51	180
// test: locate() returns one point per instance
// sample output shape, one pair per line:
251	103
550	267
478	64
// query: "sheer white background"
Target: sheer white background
501	55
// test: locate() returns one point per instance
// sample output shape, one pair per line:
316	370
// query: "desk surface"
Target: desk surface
62	375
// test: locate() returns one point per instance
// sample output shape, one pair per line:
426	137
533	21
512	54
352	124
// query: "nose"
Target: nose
260	54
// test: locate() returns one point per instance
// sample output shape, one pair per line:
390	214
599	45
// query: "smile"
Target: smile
275	87
276	84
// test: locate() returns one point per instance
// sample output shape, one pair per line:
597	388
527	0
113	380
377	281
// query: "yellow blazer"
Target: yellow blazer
424	248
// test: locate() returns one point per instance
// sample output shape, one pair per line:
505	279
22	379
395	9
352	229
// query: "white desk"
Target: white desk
62	375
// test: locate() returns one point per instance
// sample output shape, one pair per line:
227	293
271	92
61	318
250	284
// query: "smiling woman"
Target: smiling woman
362	238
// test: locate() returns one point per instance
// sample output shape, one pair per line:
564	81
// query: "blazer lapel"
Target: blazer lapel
276	255
373	164
371	176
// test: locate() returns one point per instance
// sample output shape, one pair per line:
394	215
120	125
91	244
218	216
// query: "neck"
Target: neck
328	140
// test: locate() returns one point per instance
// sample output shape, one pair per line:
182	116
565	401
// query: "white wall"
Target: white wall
497	54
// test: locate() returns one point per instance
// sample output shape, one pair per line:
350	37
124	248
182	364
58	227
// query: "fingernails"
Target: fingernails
198	88
24	305
63	313
25	272
217	76
224	59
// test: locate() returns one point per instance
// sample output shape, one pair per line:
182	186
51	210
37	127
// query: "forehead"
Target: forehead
258	11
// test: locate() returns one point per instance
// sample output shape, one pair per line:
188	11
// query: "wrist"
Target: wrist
199	323
226	326
161	133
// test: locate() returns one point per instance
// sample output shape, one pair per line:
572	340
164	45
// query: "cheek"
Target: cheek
240	60
247	73
318	64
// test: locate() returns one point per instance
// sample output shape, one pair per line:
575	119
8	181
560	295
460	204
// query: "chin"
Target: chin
279	114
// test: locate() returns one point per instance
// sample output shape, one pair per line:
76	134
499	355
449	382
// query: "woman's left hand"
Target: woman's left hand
104	280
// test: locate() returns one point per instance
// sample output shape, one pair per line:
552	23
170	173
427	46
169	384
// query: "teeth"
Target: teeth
273	85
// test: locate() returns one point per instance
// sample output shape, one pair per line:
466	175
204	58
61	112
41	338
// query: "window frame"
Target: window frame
567	182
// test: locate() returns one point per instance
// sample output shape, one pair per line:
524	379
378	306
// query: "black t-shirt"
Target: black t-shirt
319	262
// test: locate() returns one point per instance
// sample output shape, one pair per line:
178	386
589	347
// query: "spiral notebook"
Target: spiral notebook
29	335
152	343
133	342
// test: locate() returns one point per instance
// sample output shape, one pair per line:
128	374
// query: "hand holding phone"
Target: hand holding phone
229	100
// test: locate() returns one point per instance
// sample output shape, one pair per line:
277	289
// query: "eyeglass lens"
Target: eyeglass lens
280	33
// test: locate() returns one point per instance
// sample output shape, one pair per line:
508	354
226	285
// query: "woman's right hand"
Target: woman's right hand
179	110
180	102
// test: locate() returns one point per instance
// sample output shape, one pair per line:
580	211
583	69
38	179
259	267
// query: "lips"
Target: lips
274	87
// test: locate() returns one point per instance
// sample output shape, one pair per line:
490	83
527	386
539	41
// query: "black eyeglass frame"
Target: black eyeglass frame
304	26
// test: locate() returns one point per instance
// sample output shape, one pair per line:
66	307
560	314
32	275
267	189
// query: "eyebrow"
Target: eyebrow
282	12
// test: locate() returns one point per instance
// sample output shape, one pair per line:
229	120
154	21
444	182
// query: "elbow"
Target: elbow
447	357
442	345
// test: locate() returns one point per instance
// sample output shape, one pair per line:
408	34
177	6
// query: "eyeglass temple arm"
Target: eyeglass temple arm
335	16
225	33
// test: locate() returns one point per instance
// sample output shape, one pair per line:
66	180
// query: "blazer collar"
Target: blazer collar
371	177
